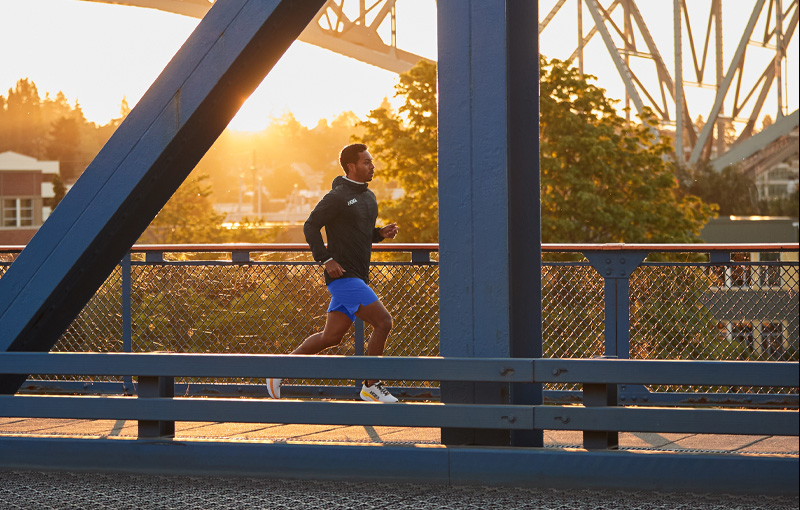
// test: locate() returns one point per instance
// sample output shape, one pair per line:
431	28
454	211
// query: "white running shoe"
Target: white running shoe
274	387
376	393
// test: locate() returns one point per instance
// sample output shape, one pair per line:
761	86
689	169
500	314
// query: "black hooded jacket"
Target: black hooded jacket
348	213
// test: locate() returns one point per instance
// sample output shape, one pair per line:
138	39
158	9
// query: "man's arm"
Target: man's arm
325	211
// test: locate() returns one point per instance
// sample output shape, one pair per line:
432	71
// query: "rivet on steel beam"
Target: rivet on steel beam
562	419
622	261
509	419
506	371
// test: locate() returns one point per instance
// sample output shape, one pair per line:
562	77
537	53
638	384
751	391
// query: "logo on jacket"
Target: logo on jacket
351	202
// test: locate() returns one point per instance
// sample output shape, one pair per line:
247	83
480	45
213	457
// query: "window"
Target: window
772	338
17	212
770	275
743	332
740	274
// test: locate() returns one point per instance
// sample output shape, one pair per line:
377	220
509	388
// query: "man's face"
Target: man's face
363	169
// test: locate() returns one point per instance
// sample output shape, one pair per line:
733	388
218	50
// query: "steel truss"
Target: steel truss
353	28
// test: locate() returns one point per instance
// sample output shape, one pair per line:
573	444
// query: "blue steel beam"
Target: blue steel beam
490	304
141	166
433	464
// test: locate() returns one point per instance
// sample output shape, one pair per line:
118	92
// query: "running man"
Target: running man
348	212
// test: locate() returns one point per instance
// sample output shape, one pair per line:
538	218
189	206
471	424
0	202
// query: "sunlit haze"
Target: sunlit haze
99	53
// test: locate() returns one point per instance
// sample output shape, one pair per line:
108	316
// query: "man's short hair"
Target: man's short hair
350	154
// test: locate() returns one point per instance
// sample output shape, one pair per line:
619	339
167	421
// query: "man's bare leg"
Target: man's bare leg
336	325
377	316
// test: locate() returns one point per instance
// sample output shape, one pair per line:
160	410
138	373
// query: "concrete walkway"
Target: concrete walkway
350	434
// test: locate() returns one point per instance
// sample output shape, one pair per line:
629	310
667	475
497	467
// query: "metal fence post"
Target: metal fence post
127	317
156	387
358	332
616	269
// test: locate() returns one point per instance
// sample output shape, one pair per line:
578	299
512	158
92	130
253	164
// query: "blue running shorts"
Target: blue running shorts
347	294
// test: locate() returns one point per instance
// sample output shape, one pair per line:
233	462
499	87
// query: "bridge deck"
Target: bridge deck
351	434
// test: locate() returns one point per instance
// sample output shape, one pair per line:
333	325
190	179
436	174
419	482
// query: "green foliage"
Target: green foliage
50	128
604	180
187	218
404	145
730	190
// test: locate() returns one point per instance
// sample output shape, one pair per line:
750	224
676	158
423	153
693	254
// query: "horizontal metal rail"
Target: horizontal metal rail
678	372
269	365
434	247
511	417
166	367
586	371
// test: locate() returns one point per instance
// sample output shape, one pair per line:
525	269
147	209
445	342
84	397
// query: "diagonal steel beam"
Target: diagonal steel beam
726	83
141	166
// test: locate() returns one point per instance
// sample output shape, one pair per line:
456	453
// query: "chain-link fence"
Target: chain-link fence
681	306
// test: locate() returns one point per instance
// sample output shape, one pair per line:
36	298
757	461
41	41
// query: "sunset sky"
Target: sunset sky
99	53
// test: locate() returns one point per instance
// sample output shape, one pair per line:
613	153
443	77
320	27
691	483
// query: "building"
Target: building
25	184
758	303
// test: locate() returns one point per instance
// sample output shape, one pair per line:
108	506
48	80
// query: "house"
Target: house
755	297
25	184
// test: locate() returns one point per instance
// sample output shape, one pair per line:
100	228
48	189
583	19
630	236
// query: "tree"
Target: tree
404	144
187	218
730	190
22	129
605	180
64	146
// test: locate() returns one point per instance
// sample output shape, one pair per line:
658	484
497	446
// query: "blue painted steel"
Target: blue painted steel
144	162
675	372
270	411
518	467
664	420
358	333
488	416
524	210
405	393
616	269
488	174
270	365
127	315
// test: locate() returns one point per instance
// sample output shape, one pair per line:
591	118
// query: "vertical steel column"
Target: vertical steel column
490	298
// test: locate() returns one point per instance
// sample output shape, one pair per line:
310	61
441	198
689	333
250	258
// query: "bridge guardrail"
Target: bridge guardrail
691	302
157	409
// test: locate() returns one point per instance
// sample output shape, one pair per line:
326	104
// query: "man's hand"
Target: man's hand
334	269
390	231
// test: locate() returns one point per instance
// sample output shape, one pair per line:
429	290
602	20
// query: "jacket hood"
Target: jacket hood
340	180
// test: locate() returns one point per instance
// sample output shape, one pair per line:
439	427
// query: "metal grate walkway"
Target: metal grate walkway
88	491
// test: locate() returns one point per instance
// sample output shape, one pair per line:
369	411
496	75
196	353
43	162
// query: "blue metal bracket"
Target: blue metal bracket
616	268
141	166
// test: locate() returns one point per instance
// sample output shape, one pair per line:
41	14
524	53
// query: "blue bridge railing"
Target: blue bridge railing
668	339
687	302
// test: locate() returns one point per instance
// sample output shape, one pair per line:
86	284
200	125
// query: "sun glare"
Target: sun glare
98	54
